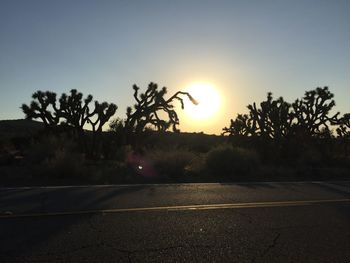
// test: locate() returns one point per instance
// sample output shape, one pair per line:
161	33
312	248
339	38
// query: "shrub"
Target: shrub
38	152
226	161
171	164
65	164
55	157
44	149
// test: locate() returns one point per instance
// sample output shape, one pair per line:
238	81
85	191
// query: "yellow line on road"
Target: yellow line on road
182	208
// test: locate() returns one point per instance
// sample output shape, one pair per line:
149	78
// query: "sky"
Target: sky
243	48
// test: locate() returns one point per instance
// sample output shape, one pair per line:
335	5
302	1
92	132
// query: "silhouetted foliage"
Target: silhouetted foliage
117	127
274	139
312	112
343	130
276	118
152	111
281	131
241	126
272	120
232	163
149	107
71	112
41	107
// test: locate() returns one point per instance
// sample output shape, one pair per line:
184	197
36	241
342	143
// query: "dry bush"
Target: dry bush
172	163
55	157
65	164
47	147
226	161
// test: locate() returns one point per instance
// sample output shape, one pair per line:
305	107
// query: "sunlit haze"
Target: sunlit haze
236	50
208	102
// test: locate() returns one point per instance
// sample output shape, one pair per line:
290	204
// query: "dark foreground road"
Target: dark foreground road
263	222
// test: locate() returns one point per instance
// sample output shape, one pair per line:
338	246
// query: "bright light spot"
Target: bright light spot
208	101
140	167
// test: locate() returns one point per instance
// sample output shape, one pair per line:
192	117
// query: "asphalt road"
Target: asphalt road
254	222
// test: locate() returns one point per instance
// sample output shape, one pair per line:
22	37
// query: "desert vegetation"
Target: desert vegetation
79	140
285	133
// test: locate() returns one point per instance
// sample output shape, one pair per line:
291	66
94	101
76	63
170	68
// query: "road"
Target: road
253	222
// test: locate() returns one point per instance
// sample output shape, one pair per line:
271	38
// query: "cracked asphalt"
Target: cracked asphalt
318	232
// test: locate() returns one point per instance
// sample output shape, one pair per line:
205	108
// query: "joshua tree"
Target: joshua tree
76	112
149	108
273	119
277	118
343	130
44	107
72	109
241	126
312	112
73	112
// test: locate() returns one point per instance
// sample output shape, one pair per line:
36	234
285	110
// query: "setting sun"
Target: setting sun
208	101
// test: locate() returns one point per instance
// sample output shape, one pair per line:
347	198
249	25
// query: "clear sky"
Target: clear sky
244	48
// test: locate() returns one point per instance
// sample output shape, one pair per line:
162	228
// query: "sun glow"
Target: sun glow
208	101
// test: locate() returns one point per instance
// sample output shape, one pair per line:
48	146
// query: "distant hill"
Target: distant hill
195	141
18	128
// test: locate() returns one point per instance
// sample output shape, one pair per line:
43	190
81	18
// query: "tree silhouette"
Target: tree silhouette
73	112
312	112
41	108
309	116
241	126
72	109
271	120
343	130
150	108
282	132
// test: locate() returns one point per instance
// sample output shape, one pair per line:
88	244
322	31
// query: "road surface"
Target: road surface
253	222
